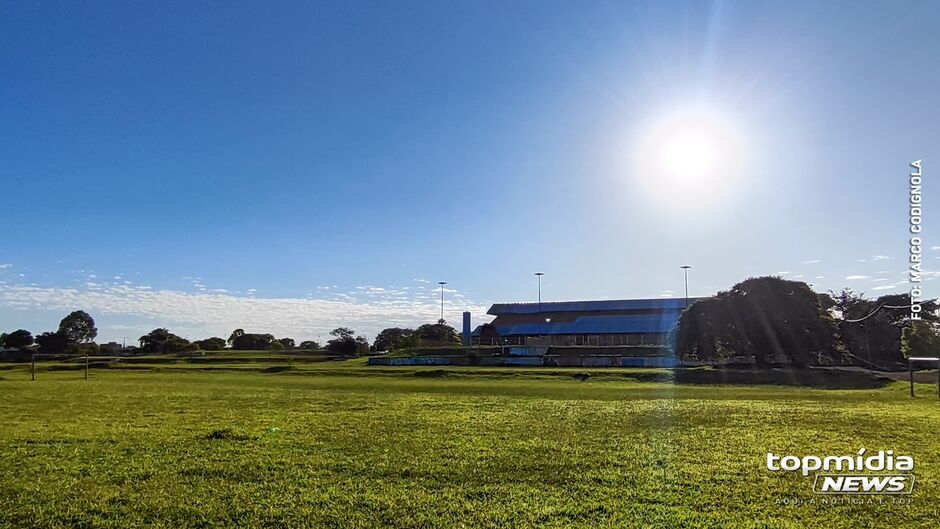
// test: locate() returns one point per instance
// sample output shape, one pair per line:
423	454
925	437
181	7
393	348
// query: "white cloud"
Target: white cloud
216	313
852	278
5	265
809	261
880	258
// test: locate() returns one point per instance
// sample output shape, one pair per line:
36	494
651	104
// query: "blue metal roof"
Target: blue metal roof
587	306
639	323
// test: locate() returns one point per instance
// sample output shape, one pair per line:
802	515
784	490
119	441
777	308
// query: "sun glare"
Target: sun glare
689	155
692	156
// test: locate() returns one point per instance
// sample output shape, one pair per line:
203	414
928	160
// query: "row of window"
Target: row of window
599	340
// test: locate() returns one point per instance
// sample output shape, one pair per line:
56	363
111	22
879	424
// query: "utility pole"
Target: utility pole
685	268
541	328
442	283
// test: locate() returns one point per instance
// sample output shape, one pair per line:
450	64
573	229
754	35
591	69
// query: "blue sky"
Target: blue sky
293	166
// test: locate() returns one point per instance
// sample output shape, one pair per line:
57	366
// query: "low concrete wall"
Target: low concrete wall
649	361
559	361
522	360
408	361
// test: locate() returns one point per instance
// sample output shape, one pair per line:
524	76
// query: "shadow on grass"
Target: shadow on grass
816	378
434	373
822	378
226	434
276	369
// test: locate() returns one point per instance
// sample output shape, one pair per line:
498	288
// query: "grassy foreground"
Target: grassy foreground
356	447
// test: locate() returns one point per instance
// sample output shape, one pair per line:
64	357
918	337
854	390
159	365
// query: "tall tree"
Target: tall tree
78	327
346	343
342	332
769	318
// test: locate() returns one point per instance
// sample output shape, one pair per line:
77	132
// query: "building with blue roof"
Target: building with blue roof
583	323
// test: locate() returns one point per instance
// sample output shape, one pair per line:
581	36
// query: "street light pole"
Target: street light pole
442	283
541	329
539	275
685	268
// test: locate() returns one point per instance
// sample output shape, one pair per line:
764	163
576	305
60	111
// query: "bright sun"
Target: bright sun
693	156
690	154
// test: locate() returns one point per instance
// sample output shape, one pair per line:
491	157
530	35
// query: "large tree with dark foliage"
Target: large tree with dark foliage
163	341
78	327
52	343
872	329
211	344
345	342
438	333
769	318
18	339
394	338
244	341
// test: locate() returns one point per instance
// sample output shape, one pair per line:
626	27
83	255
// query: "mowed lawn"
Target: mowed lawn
473	448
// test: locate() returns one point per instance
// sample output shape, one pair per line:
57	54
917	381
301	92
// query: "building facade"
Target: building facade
583	323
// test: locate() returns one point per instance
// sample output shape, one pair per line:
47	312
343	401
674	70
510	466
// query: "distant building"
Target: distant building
110	348
589	323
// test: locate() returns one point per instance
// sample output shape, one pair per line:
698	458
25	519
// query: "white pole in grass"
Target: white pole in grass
910	374
910	368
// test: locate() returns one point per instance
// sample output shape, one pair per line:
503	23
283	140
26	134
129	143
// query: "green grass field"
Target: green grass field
338	444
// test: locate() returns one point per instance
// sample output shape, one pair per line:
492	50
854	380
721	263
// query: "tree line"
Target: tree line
77	332
774	320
